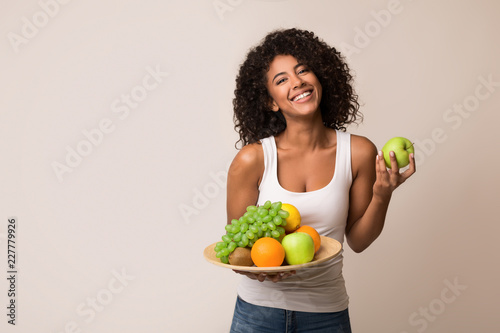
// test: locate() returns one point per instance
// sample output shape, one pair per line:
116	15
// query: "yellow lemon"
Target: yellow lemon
293	220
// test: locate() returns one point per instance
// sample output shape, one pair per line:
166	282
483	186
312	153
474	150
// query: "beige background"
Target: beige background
106	247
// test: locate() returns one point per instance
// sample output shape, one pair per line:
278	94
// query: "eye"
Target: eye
280	81
303	71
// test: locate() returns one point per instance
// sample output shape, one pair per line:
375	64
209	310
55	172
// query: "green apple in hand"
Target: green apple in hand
299	248
402	147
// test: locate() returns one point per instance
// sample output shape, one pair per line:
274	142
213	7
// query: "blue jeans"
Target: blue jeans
249	318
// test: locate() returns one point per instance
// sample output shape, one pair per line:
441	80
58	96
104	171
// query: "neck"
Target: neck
304	134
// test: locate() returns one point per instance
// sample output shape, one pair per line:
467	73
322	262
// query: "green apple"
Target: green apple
402	147
299	248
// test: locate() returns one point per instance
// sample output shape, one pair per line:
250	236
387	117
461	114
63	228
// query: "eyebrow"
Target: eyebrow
281	73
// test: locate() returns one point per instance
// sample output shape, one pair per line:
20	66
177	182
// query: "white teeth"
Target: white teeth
307	93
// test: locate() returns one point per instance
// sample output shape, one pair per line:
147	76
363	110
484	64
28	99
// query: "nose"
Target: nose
297	81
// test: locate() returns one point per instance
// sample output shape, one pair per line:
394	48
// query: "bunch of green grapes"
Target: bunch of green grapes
257	222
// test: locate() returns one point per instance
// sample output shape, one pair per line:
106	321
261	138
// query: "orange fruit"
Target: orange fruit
267	252
314	235
293	220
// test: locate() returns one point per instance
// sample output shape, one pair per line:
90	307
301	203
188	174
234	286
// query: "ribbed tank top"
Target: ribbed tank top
318	288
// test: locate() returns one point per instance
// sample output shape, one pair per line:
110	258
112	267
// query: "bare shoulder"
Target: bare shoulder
362	145
363	152
249	160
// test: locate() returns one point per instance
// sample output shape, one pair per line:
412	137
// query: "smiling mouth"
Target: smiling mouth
301	96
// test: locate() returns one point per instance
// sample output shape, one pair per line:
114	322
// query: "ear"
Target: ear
274	107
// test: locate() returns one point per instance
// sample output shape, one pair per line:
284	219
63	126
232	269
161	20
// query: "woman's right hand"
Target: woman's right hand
261	277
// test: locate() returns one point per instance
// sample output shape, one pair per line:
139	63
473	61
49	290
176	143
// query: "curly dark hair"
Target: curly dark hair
253	117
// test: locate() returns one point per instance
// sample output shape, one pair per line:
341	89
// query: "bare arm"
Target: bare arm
371	192
243	180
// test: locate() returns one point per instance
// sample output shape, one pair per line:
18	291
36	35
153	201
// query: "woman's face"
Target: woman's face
293	87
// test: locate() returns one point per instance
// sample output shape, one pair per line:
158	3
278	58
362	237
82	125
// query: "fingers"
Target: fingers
388	179
411	169
275	277
394	162
413	165
280	276
380	164
261	277
394	169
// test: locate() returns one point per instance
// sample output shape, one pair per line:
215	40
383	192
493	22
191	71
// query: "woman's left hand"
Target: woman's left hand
389	179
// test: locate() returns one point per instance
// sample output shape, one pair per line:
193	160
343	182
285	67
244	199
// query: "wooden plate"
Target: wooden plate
330	248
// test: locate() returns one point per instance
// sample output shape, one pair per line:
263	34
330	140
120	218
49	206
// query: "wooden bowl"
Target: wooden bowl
330	248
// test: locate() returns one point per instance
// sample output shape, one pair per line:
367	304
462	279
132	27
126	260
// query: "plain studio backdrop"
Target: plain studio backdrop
116	135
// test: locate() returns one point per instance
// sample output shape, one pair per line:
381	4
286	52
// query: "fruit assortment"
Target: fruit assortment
267	236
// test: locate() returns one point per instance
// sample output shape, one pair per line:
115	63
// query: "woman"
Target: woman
292	102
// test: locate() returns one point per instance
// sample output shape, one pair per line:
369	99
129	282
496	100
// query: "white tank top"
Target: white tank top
319	288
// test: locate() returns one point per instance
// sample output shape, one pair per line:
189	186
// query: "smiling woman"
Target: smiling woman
294	88
339	106
293	101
